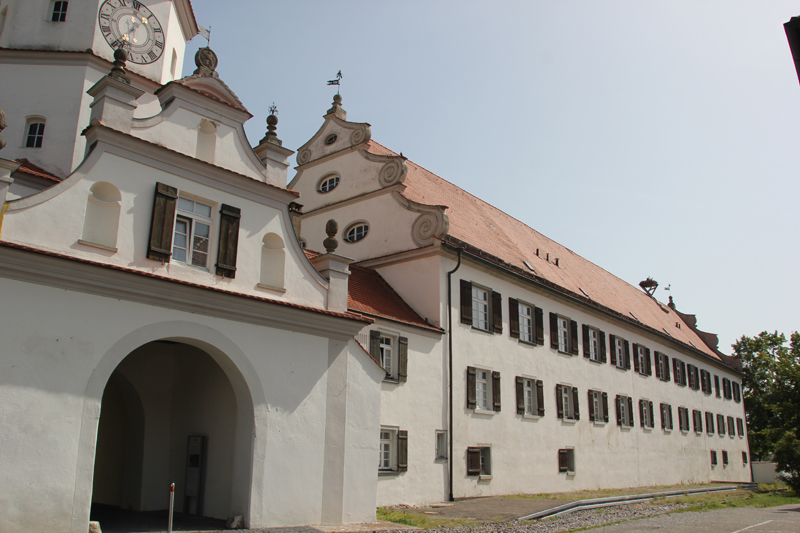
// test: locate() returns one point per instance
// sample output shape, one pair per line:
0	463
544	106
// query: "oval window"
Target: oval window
330	139
356	232
328	183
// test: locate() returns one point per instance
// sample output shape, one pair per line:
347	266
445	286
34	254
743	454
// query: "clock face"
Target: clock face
130	24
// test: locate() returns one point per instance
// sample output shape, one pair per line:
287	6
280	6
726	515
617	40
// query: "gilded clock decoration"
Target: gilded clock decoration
130	24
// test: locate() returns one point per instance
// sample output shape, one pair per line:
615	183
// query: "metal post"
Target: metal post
171	506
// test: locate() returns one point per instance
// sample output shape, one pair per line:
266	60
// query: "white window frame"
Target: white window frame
647	423
564	335
641	354
570	471
486	461
567	404
662	365
619	349
666	409
357	236
39	135
327	178
483	404
597	403
625	415
684	412
441	445
390	346
526	315
192	219
387	447
530	397
480	307
594	345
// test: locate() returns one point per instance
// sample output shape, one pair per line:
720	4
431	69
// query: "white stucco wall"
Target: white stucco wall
357	176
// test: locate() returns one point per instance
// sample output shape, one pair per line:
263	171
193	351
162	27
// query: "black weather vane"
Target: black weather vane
336	81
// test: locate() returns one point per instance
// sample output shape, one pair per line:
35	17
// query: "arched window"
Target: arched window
101	220
273	262
328	183
34	132
59	11
356	231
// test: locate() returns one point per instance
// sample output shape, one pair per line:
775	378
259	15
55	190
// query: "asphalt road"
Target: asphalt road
784	519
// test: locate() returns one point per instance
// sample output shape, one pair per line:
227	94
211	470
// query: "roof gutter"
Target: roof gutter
461	249
450	375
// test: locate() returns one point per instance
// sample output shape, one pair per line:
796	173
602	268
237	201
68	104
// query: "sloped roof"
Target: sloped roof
29	168
369	294
506	241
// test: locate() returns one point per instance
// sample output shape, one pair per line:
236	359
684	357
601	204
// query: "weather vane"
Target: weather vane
273	109
336	81
205	33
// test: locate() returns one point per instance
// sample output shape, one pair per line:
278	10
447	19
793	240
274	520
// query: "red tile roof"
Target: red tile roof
506	241
29	168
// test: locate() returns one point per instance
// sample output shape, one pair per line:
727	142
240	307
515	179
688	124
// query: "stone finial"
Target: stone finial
330	244
272	125
206	61
671	304
118	70
3	124
336	108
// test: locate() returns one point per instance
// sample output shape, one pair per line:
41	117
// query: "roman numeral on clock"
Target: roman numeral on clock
106	30
159	44
137	5
152	55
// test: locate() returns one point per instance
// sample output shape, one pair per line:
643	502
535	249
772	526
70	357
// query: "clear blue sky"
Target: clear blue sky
654	138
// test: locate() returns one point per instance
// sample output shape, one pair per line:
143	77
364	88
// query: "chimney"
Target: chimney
114	98
334	268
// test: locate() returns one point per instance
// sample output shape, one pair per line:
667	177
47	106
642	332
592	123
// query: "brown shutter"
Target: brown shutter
228	240
650	407
716	385
402	450
163	222
513	318
402	359
466	302
520	395
683	373
612	345
627	355
559	403
602	341
636	358
586	340
663	417
497	312
375	346
540	397
573	329
630	411
539	326
590	399
471	396
605	407
669	411
649	363
641	413
576	406
618	403
554	331
666	368
496	391
563	461
473	461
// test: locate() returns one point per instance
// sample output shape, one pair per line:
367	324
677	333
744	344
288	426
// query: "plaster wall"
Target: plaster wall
389	228
417	281
357	174
57	224
51	386
524	452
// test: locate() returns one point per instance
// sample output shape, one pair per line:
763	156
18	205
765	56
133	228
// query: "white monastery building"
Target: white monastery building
176	313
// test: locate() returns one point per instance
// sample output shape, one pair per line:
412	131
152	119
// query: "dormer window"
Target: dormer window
35	134
356	232
59	12
328	183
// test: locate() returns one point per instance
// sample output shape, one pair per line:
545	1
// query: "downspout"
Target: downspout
450	375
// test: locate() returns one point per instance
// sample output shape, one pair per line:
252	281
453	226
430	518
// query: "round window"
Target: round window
356	232
328	183
330	139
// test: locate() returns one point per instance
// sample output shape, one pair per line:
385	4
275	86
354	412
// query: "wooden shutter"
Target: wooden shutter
612	345
520	395
605	407
559	403
663	416
648	362
163	223
677	370
513	318
627	355
402	450
590	398
402	359
602	341
576	406
496	391
636	358
466	302
554	331
641	413
473	461
540	397
539	314
586	340
228	240
650	407
563	460
375	346
683	373
666	367
716	385
669	411
471	396
497	312
619	410
630	411
573	329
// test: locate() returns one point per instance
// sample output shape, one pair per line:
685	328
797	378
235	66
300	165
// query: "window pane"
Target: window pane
201	230
185	205
202	209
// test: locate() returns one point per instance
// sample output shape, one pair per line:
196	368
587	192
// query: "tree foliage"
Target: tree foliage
771	389
787	460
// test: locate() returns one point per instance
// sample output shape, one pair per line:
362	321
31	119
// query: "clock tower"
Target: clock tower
52	52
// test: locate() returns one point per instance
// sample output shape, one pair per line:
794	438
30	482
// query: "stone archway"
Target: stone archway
213	376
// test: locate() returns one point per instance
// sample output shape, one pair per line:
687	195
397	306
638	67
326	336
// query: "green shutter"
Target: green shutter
162	223
228	240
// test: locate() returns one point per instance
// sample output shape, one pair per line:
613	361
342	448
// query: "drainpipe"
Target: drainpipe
450	372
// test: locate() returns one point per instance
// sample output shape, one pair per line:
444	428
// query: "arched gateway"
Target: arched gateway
154	390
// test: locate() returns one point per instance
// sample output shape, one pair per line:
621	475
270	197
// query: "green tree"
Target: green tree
771	388
787	460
